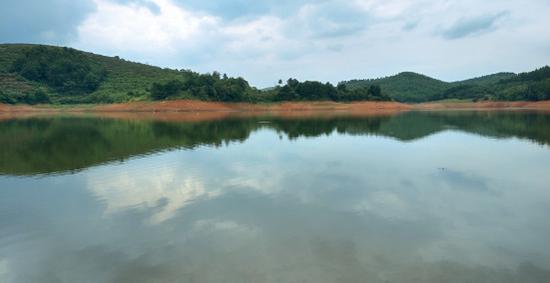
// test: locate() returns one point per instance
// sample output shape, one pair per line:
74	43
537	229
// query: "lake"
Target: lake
410	197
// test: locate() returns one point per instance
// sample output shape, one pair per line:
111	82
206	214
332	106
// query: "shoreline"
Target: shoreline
207	106
287	108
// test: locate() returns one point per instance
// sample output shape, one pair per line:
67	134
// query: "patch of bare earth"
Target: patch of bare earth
192	105
535	105
193	110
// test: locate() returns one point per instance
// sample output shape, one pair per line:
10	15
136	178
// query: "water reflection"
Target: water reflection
60	144
322	200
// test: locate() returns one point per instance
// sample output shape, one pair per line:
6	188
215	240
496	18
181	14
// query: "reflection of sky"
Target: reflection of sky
451	207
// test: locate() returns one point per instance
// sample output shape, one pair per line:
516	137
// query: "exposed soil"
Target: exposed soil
202	106
535	105
191	105
191	110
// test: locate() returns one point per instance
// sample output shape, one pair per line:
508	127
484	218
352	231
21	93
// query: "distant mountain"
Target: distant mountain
413	87
406	86
486	80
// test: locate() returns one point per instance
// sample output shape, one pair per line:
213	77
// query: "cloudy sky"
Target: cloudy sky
326	40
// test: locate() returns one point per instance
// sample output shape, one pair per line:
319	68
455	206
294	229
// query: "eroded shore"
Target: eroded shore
190	109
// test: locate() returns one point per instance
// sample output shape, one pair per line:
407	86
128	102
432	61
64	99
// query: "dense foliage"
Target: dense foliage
212	87
66	75
532	86
124	80
45	74
66	70
411	87
311	90
33	97
405	87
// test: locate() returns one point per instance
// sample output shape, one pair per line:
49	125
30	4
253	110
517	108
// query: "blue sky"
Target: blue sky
326	40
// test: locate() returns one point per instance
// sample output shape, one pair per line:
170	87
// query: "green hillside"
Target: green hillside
486	80
47	74
406	86
123	81
412	87
34	74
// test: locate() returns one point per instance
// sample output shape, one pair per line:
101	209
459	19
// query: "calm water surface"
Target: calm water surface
415	197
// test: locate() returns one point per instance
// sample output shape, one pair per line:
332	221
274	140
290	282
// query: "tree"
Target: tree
66	70
161	91
313	90
375	90
286	93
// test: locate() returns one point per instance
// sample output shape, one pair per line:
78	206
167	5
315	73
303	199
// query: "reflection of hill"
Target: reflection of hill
42	145
534	126
49	145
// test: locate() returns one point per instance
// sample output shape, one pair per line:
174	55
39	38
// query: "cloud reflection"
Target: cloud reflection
335	208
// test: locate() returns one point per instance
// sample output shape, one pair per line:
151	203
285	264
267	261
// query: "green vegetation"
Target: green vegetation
65	70
55	144
311	91
211	87
412	87
532	86
122	81
406	87
37	96
47	74
35	74
26	92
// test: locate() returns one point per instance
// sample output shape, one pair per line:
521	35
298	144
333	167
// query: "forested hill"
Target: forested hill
68	75
406	86
47	74
413	87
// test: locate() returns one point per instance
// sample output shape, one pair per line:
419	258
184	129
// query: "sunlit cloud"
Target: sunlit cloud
330	40
148	33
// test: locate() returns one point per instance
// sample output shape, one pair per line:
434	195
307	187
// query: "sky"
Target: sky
325	40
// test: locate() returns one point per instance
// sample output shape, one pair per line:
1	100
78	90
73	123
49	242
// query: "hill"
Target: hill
406	86
39	74
123	80
48	74
413	87
486	80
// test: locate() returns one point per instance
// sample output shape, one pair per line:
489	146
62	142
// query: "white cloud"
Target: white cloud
135	29
330	40
387	9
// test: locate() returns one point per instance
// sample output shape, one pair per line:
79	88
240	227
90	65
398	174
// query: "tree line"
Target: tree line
48	74
216	87
210	87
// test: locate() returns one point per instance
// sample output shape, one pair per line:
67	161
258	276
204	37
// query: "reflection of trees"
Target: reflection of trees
47	145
